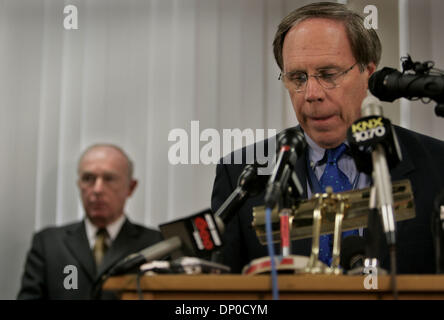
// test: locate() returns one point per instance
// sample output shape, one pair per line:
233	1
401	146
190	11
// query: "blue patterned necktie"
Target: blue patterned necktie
334	177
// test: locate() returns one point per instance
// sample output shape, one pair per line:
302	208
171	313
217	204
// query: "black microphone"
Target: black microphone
197	235
389	84
157	251
352	252
132	262
249	183
291	145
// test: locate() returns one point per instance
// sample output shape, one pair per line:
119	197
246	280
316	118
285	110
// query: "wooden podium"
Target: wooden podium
300	286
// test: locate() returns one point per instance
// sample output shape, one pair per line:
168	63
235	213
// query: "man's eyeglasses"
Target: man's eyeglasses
297	80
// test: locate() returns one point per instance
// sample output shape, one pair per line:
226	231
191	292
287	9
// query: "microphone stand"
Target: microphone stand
378	137
96	289
374	228
249	184
227	209
384	197
290	197
284	194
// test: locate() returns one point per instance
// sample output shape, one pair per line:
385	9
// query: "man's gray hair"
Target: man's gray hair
365	44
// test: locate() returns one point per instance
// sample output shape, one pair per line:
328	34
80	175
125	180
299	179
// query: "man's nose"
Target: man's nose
98	185
313	90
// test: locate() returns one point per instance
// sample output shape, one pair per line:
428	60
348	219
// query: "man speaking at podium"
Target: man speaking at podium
326	57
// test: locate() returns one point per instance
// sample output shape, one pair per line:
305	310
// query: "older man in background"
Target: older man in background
90	247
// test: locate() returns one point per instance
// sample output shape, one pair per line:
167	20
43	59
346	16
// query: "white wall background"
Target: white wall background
133	71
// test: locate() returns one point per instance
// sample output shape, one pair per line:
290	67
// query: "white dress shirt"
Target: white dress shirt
113	230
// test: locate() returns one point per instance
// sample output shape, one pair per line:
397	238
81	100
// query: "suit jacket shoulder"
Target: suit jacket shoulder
54	249
422	164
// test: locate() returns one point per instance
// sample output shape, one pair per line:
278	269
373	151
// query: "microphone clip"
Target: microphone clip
417	67
424	68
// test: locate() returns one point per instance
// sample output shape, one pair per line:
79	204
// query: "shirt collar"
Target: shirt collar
316	153
113	229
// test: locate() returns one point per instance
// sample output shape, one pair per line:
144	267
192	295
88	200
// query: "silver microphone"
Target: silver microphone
371	106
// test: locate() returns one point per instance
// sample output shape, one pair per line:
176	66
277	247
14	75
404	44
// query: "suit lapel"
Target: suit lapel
406	166
301	171
123	245
77	243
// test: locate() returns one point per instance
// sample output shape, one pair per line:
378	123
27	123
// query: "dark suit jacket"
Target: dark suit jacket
56	247
423	159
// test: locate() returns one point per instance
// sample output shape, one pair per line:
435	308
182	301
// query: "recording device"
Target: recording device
375	148
389	84
291	145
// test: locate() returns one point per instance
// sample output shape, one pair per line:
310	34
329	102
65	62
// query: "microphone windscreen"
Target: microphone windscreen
377	84
293	137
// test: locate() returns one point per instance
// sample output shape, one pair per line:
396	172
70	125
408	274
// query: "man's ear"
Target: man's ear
371	67
132	186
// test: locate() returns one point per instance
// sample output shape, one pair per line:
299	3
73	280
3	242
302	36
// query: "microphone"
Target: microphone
376	135
197	235
157	251
352	252
291	144
389	84
375	147
249	183
133	261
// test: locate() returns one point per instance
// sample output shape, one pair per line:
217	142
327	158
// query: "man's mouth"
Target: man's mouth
322	119
97	205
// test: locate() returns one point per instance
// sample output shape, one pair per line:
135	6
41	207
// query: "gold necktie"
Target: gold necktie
100	246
